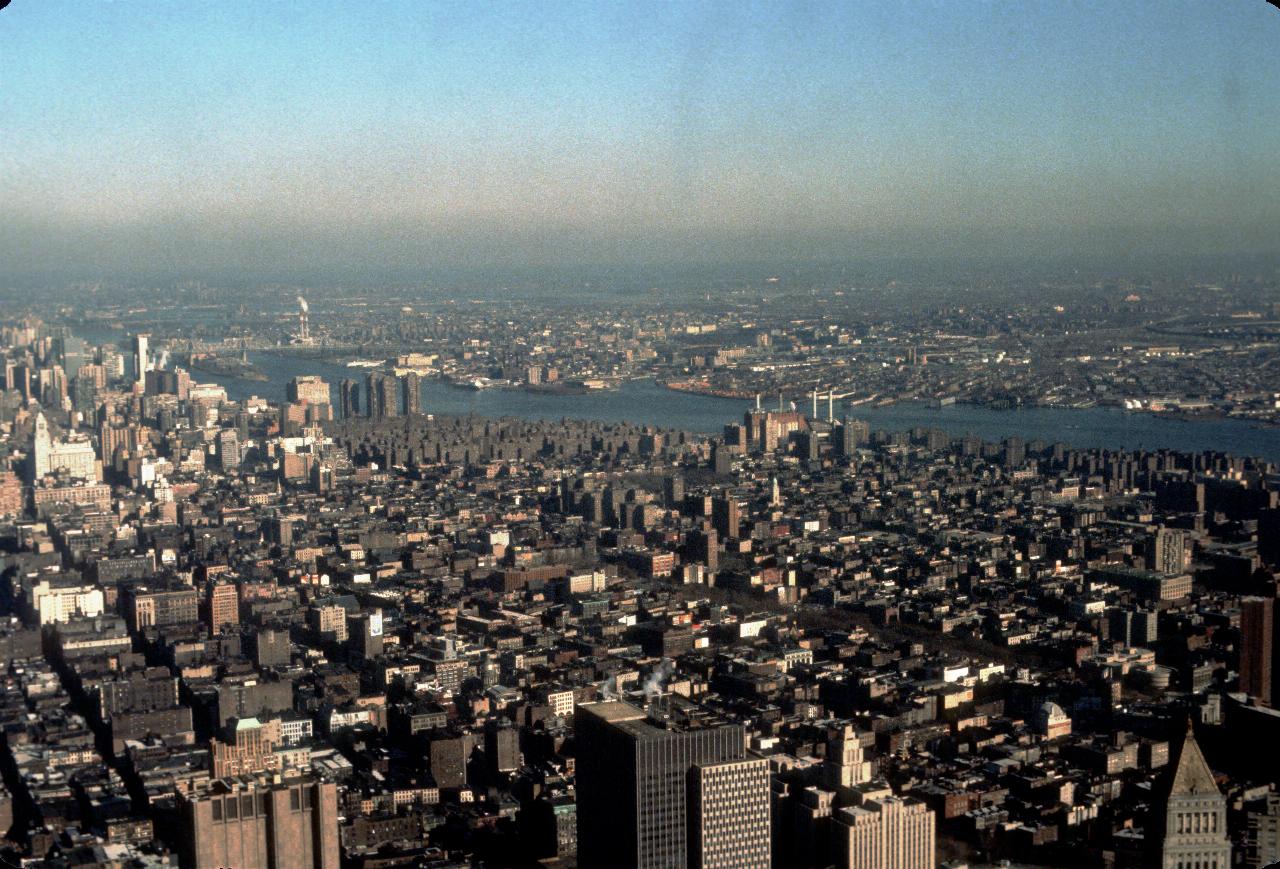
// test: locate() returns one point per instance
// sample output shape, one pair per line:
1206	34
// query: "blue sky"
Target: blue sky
197	135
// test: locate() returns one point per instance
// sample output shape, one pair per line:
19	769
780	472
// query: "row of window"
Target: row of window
233	808
1197	822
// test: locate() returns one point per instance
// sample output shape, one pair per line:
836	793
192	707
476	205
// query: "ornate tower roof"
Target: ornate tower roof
1192	776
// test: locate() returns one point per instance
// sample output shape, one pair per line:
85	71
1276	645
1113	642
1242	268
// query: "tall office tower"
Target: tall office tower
388	396
1257	644
729	810
412	393
726	516
308	389
260	822
637	804
223	605
41	448
141	357
1166	551
885	833
845	765
229	448
74	353
349	398
1195	817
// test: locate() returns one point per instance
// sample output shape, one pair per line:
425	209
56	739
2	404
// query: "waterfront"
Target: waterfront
644	401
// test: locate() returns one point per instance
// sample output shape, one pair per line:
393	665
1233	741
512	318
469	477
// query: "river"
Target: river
644	401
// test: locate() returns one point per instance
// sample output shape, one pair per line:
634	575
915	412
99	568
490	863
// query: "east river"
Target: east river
645	402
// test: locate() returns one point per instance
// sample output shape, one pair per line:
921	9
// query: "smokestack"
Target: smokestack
831	407
757	402
814	415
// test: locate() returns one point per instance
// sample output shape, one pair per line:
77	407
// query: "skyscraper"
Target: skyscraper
372	394
349	398
1257	644
259	822
412	393
141	356
726	516
229	448
224	606
388	396
1167	551
729	813
646	784
308	389
1195	817
885	833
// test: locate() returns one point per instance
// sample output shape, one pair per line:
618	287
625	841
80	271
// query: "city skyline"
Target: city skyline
323	140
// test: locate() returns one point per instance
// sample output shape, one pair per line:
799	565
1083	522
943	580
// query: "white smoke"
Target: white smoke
302	303
656	683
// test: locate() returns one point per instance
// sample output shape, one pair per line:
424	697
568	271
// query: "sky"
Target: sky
271	138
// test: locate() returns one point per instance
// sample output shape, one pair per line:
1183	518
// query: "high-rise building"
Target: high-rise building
229	449
1195	815
1257	645
372	393
308	389
726	516
388	396
501	747
224	606
846	765
349	398
141	357
637	802
1262	833
263	822
412	393
1167	551
76	457
1015	452
729	813
672	491
885	833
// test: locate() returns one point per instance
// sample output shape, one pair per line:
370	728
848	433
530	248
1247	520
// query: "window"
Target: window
246	806
306	798
233	809
295	800
217	810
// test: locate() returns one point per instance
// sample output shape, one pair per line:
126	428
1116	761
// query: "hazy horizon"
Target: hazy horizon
324	140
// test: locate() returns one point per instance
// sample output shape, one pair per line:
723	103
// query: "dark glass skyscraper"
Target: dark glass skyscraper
637	783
